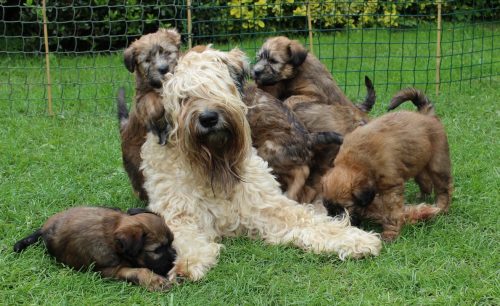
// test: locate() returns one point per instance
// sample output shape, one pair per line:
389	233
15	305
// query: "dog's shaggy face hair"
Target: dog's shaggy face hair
209	119
153	55
277	59
208	183
378	158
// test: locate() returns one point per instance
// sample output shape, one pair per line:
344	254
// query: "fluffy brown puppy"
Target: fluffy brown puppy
377	159
283	141
286	70
151	57
134	247
289	72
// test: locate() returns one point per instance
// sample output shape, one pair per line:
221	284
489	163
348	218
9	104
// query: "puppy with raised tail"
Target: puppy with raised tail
135	247
377	159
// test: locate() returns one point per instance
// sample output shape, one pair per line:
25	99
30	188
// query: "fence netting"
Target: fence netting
393	42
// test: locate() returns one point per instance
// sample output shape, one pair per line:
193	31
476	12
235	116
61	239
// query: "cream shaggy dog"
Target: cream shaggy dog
209	183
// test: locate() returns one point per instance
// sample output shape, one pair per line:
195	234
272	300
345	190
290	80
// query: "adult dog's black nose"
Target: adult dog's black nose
163	69
209	118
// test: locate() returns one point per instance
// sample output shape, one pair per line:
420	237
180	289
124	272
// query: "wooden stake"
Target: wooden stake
190	38
47	59
438	48
309	28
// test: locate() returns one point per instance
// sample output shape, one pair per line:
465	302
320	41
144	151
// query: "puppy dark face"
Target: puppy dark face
277	60
347	188
146	241
153	56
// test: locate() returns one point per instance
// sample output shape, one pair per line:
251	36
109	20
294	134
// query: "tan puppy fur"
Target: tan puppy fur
377	159
133	247
150	57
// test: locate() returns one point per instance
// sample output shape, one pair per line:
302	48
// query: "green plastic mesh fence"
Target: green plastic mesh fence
393	42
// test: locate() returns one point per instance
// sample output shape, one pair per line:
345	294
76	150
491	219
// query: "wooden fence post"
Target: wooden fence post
438	48
190	38
47	59
309	27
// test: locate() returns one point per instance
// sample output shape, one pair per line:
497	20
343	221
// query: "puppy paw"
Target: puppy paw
389	236
158	283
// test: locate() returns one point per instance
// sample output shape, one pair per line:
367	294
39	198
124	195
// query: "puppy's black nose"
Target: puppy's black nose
163	69
257	72
209	119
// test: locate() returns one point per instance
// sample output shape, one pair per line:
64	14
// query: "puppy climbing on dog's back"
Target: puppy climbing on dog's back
377	159
286	70
284	142
135	247
150	57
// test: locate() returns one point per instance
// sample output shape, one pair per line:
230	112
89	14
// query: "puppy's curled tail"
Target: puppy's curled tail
325	138
418	98
26	242
121	106
370	98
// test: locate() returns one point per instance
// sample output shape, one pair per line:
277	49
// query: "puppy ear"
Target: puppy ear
129	58
175	36
297	53
129	240
239	68
364	197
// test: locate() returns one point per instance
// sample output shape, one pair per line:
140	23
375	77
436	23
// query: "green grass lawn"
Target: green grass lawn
50	164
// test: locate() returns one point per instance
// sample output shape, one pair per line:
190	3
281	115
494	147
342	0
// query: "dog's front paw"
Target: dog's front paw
182	271
362	244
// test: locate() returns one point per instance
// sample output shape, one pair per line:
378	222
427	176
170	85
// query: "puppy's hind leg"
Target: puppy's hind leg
440	172
424	182
139	276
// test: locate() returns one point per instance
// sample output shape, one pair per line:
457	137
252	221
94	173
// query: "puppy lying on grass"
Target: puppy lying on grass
135	247
377	159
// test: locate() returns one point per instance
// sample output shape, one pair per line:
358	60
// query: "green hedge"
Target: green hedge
78	25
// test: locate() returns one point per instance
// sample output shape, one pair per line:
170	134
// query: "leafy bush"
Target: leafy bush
77	25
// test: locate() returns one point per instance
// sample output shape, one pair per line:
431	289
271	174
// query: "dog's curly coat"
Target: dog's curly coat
209	183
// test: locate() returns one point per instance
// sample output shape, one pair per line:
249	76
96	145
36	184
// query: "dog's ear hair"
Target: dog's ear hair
129	240
364	197
297	53
129	58
172	34
177	37
238	67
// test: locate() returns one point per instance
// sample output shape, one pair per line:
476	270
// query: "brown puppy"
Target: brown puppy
286	70
283	141
377	159
135	247
151	57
